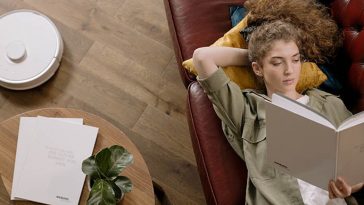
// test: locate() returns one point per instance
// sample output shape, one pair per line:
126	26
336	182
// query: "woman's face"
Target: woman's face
280	68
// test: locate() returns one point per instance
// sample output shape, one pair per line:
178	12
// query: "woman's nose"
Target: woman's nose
288	69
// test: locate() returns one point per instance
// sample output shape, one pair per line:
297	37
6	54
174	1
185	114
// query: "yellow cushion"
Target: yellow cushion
311	75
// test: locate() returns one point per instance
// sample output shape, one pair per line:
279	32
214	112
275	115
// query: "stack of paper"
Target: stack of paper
48	160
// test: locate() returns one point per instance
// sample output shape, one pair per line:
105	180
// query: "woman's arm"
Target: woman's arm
229	103
207	59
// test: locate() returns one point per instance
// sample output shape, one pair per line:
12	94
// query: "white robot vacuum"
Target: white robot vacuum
30	49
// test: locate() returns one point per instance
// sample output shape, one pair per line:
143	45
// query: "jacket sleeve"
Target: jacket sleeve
356	198
227	99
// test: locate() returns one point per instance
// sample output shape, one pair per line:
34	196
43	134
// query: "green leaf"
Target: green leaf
116	189
89	166
120	158
103	161
101	194
123	183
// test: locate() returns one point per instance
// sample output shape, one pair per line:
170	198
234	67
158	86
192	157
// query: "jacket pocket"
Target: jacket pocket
255	151
253	131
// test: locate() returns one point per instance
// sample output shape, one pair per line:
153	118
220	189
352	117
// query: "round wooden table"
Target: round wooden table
142	192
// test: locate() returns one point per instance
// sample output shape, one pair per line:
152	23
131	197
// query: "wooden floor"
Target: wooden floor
119	63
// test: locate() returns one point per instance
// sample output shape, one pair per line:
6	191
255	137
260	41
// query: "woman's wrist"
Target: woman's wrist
357	187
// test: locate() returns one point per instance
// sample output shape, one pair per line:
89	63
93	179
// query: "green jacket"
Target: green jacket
243	122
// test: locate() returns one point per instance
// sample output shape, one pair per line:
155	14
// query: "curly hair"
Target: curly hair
262	38
320	34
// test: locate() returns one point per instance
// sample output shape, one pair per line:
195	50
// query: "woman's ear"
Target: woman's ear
257	69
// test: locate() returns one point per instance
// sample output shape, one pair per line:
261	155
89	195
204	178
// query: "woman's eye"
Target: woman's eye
296	60
276	63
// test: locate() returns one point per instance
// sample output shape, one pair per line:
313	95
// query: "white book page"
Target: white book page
300	147
352	121
52	172
299	109
25	137
351	154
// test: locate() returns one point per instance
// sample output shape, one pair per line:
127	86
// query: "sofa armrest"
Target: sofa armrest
196	23
223	174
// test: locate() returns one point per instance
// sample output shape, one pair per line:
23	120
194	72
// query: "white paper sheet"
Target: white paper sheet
49	157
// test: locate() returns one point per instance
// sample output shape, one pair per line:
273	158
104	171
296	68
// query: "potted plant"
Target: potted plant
103	170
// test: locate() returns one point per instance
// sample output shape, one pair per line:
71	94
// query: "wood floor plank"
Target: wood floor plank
8	5
167	132
108	6
143	83
40	97
122	72
172	74
75	44
146	17
99	26
101	94
179	198
3	98
85	89
175	96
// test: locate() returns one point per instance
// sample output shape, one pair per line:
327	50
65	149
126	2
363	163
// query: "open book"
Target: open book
304	144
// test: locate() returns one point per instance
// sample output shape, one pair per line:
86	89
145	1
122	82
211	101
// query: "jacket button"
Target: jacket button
230	137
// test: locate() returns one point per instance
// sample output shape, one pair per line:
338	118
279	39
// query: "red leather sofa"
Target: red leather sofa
197	23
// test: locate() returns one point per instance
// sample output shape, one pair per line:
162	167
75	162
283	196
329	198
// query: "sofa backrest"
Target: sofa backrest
196	23
350	17
192	26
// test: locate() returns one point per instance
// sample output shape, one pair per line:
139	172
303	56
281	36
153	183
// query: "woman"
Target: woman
275	58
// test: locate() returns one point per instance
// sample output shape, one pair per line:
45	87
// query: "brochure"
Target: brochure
48	160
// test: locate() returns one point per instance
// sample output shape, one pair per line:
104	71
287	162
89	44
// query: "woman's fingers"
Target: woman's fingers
336	192
344	188
331	194
339	188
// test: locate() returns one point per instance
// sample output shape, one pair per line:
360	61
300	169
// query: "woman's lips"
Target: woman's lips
288	81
